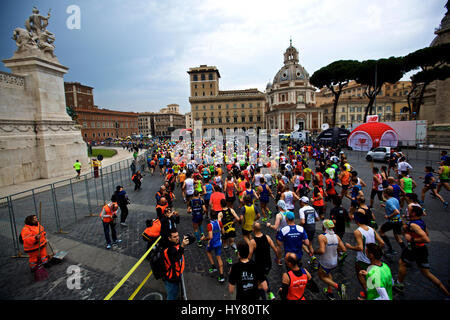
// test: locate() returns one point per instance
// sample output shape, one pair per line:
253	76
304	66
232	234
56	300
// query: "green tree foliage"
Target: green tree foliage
433	64
335	77
374	73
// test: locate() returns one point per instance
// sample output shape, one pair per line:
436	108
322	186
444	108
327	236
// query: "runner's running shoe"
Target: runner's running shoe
271	296
342	292
230	261
328	294
212	269
342	258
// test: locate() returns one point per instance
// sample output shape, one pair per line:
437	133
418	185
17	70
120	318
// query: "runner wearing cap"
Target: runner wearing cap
308	218
292	237
329	245
280	222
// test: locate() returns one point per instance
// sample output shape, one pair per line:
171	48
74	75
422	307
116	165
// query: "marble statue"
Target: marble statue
36	35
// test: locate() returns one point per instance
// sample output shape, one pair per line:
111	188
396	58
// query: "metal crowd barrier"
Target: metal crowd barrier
65	202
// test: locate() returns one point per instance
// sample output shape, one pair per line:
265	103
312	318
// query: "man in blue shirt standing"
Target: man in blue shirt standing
394	222
293	237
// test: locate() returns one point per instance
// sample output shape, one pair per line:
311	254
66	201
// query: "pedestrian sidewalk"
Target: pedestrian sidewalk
28	185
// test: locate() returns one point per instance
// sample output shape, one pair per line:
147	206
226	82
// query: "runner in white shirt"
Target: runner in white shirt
289	198
329	245
403	165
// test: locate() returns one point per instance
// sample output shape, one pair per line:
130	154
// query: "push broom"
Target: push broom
40	273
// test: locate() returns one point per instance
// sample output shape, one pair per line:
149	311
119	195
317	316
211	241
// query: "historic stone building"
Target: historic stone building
223	109
391	103
290	98
161	123
98	124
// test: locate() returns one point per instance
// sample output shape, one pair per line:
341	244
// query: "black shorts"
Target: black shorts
374	192
230	199
245	232
444	180
310	234
229	235
319	210
396	226
417	254
78	171
345	186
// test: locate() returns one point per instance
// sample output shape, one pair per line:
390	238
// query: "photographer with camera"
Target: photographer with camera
174	263
169	220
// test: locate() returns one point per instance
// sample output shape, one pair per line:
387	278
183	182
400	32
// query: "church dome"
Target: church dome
291	70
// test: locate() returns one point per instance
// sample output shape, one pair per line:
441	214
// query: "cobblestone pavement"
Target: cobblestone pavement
16	282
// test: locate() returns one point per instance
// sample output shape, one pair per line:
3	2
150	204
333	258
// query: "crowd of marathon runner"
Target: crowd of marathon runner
235	196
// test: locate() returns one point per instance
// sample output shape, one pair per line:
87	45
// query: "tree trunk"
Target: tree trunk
419	103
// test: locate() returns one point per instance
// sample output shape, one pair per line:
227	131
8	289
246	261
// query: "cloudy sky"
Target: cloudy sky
135	53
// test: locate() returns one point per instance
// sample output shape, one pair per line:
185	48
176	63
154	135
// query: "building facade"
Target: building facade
391	103
161	123
223	109
98	124
290	98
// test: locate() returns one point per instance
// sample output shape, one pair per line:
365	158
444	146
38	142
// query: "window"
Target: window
195	77
343	118
380	109
195	94
212	107
227	106
210	76
250	118
212	120
203	76
235	119
220	120
258	118
388	108
204	107
343	109
243	118
203	85
210	85
352	118
250	105
195	86
352	109
359	109
84	124
258	104
234	105
196	107
243	106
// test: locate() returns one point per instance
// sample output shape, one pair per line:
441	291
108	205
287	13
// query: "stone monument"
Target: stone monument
436	106
38	139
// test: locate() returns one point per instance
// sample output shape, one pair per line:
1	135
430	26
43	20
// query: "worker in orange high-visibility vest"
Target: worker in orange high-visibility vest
34	242
108	216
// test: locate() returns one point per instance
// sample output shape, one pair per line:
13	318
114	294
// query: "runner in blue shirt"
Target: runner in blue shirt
215	230
293	237
394	221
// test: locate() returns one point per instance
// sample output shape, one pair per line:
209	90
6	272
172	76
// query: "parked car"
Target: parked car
379	154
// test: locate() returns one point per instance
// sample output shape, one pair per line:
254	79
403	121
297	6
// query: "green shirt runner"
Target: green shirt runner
379	280
77	165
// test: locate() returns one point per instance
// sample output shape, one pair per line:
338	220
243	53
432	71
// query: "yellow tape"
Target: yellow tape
125	278
140	286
